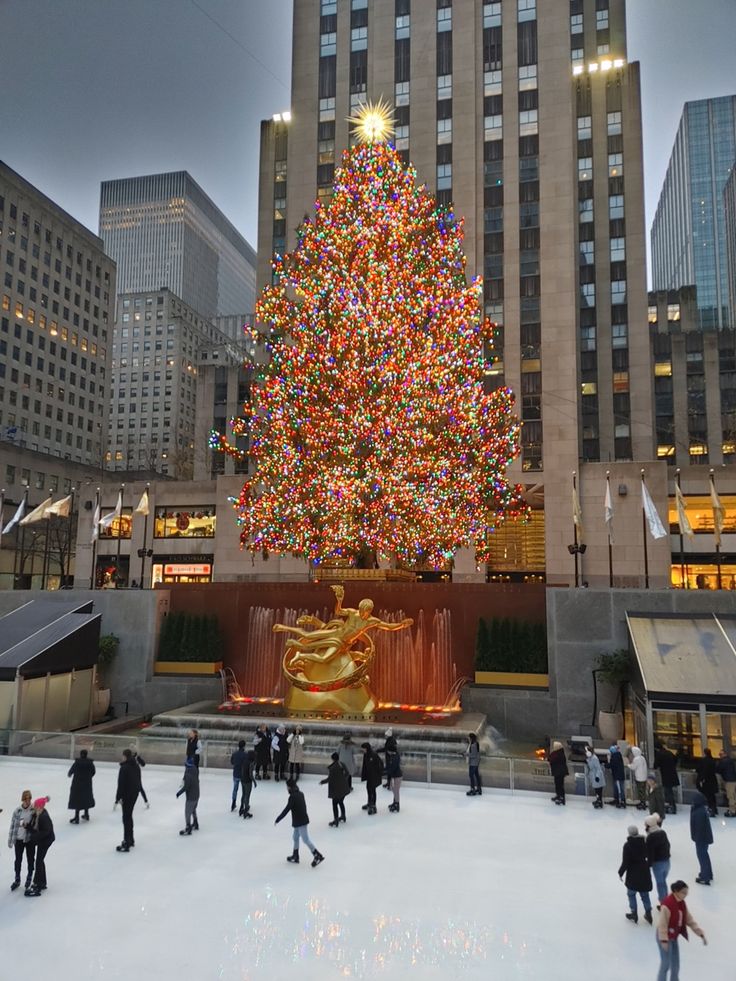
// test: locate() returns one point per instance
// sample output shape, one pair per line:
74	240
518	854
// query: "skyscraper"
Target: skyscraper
689	228
164	231
526	119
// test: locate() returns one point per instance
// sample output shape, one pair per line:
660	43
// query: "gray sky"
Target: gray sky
97	89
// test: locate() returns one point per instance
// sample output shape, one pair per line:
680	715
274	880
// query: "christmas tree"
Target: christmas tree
371	430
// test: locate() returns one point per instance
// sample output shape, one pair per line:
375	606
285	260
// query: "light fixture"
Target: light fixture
618	62
577	69
606	65
593	67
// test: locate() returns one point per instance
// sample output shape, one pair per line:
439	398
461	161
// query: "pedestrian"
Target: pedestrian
389	748
262	747
674	919
19	839
346	752
299	823
558	768
638	767
596	777
706	780
129	786
140	763
658	853
194	746
190	789
666	762
638	877
338	782
615	763
726	769
655	797
41	836
295	741
280	753
371	774
702	834
247	782
473	755
236	762
81	797
394	776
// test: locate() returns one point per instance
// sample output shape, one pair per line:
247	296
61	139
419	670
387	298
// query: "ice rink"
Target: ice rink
497	887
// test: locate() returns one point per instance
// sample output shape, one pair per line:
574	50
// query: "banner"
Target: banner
656	528
608	511
142	505
96	523
16	517
719	515
577	514
107	521
61	509
37	514
682	518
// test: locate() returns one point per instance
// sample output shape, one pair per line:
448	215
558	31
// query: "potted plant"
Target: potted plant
107	649
614	669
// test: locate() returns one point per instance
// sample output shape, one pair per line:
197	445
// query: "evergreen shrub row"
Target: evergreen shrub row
511	645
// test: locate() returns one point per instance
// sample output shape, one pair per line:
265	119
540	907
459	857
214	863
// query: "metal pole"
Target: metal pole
575	536
65	575
95	533
644	536
718	535
20	539
610	543
145	538
120	529
46	553
683	578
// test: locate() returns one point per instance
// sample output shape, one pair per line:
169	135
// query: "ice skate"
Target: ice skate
294	857
14	885
317	858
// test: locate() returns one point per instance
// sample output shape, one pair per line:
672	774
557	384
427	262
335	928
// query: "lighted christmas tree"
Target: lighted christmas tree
371	430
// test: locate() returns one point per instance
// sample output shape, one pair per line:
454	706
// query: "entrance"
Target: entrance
169	570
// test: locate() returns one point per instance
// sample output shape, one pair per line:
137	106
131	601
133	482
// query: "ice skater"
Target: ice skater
41	836
18	838
707	780
658	853
279	753
337	781
674	919
394	776
655	797
346	752
638	767
558	768
296	753
702	834
726	769
194	746
615	764
247	782
371	775
666	762
190	788
389	748
236	762
596	778
473	755
129	786
299	823
638	877
262	747
141	763
81	797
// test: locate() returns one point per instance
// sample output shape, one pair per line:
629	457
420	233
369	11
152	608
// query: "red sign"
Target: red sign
201	569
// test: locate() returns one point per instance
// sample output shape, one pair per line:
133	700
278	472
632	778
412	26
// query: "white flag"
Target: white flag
37	514
608	511
107	521
656	528
96	523
16	517
577	514
61	508
142	505
683	521
719	518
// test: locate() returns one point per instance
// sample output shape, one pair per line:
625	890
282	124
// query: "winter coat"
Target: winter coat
372	769
596	777
190	783
638	765
280	745
700	829
666	763
296	747
41	831
615	764
246	770
558	763
346	752
706	779
194	750
393	766
658	846
655	800
337	781
726	769
262	746
298	807
634	864
129	781
473	754
236	762
80	793
21	816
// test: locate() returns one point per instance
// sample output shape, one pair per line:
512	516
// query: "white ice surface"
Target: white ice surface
498	887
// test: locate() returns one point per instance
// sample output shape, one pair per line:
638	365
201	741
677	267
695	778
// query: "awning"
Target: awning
48	637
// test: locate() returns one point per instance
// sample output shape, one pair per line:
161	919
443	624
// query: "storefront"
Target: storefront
170	569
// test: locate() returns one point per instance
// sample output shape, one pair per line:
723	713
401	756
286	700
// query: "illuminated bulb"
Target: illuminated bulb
373	122
593	66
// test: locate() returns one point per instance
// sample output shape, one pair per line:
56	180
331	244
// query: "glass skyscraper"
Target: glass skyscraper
689	229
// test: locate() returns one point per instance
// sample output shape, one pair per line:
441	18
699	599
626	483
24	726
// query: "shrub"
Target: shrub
504	644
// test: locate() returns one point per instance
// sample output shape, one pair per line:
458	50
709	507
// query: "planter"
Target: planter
610	726
511	679
100	704
188	667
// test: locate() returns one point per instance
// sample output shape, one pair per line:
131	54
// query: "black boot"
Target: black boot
317	857
85	816
195	825
648	916
186	831
75	819
14	885
124	847
294	857
233	805
633	917
333	824
32	891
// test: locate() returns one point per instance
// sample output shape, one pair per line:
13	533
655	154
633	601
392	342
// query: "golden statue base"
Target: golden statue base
342	701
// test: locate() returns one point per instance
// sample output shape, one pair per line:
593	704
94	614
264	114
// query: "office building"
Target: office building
689	228
165	232
729	207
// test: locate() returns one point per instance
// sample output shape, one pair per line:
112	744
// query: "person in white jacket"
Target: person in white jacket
296	752
639	769
18	839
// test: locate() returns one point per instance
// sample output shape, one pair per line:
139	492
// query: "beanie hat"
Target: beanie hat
556	745
40	802
241	744
365	745
335	756
613	749
632	831
652	821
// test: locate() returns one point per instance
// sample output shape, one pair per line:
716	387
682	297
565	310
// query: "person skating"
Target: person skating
394	776
18	839
666	762
346	751
389	748
655	797
296	753
558	768
299	823
371	774
638	767
194	746
129	786
141	763
674	919
81	797
658	853
726	769
702	834
338	783
707	781
190	789
247	782
262	749
41	836
280	753
473	755
615	764
638	876
595	775
236	762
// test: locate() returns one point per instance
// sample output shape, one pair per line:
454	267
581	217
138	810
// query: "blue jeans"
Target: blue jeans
474	774
669	961
645	900
660	871
619	793
706	870
236	784
303	833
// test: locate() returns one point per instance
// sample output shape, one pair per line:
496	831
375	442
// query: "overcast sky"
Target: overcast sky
97	89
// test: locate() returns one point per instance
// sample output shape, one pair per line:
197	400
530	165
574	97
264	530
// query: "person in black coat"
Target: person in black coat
190	788
394	775
194	746
371	775
638	877
129	786
338	787
558	768
236	762
707	780
299	823
262	747
41	836
702	834
389	748
81	797
666	762
247	782
615	763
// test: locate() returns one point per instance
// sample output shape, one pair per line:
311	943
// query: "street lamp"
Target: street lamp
577	550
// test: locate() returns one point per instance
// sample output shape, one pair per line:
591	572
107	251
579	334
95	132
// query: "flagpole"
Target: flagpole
575	533
95	533
46	552
610	543
120	529
683	579
2	515
644	535
65	575
20	539
145	539
718	535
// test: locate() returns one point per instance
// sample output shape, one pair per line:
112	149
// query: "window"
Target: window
403	27
618	291
615	164
188	522
358	39
587	338
327	45
652	314
673	312
444	177
493	128
527	9
620	381
616	206
585	210
618	250
620	335
492	83
585	168
528	125
491	15
576	24
444	19
601	20
444	86
585	127
527	77
614	123
444	131
587	295
402	94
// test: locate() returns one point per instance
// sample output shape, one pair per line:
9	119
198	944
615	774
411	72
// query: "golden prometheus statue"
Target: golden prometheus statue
327	667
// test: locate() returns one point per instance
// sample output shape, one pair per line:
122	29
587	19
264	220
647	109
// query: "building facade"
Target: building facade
729	207
164	231
689	228
526	117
